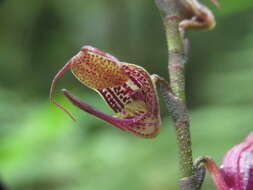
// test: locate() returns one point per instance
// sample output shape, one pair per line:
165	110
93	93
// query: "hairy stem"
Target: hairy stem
176	67
172	15
179	15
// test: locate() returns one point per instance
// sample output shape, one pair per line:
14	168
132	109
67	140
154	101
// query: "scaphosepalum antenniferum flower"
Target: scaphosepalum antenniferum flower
128	89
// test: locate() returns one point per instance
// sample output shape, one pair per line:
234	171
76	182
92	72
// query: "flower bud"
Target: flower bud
237	165
236	170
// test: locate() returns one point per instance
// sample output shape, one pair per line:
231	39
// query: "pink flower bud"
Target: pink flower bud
236	171
237	165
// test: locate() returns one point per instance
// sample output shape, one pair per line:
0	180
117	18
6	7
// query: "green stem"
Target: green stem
186	14
176	69
172	15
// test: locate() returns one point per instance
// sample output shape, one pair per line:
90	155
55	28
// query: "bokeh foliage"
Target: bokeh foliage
41	148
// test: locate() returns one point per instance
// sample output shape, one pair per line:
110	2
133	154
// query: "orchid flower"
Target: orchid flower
236	170
128	90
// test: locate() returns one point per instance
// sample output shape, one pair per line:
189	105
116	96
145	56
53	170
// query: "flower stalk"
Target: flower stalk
176	66
177	16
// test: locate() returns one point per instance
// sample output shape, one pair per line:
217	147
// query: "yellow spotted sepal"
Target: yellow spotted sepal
126	88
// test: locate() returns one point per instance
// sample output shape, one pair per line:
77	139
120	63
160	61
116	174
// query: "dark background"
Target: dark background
41	148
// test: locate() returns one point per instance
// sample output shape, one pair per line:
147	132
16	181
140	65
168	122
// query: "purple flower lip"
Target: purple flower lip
120	123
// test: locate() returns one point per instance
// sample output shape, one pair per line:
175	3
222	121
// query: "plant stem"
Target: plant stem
178	111
176	69
179	15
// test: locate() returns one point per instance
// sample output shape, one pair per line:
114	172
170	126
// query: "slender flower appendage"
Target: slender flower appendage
128	89
236	170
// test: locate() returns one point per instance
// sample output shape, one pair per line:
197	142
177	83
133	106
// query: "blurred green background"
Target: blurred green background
41	148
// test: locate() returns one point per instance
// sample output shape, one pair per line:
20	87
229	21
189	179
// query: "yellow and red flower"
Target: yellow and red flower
128	89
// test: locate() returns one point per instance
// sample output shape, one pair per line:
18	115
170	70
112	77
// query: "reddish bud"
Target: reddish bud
237	165
236	170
